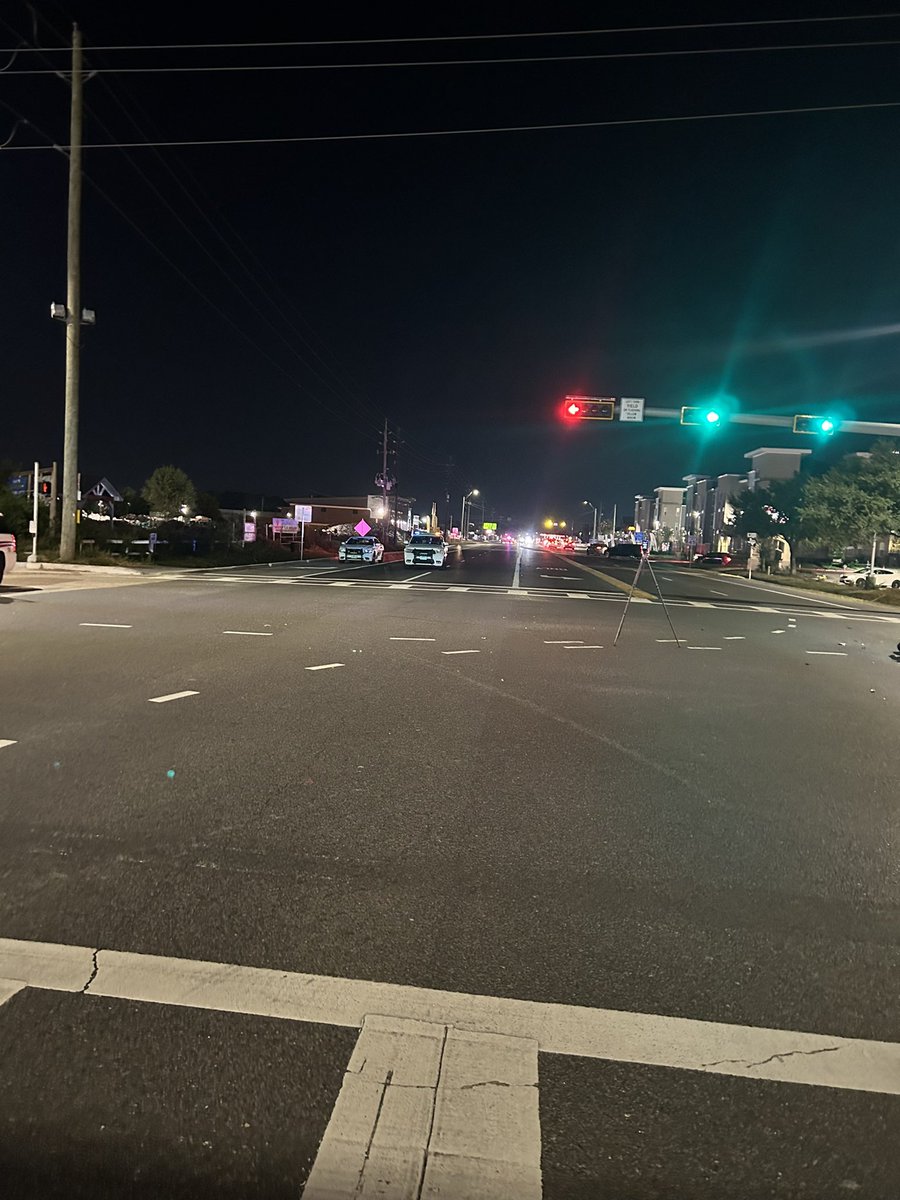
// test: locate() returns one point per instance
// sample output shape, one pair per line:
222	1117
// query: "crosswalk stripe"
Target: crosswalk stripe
426	1109
745	1051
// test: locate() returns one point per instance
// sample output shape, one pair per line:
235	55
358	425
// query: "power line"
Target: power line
239	68
483	37
424	133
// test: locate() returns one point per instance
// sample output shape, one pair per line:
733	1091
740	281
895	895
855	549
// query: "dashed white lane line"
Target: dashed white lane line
4	742
324	667
582	647
518	570
102	625
460	652
704	647
171	696
745	1051
342	583
578	595
828	653
715	593
735	637
777	631
700	604
457	589
412	639
565	642
667	641
245	633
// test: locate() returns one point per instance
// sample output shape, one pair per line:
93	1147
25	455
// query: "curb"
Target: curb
85	567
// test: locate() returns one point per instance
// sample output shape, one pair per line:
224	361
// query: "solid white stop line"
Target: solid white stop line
745	1051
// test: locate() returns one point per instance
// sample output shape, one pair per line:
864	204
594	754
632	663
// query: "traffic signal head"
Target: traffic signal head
821	425
44	487
710	416
589	408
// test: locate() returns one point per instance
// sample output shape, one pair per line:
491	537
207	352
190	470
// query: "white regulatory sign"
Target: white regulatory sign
303	512
631	408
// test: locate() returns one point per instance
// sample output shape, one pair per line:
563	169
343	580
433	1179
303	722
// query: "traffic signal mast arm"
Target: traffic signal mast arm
873	428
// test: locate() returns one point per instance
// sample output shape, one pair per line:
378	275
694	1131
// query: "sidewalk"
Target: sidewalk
62	577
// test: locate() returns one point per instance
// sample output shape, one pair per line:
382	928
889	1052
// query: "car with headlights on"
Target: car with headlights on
425	549
361	549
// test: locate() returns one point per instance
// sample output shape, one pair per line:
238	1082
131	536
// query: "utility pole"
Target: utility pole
73	312
384	508
54	501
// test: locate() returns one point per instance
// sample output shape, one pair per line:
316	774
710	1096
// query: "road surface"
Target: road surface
662	877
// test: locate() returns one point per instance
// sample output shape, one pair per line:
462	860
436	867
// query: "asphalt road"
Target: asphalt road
476	792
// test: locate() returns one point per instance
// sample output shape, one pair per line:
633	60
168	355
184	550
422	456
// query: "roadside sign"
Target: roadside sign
18	484
303	512
151	540
362	527
631	408
249	531
284	525
489	525
642	539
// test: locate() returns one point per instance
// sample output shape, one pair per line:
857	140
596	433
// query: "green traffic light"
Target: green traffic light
826	425
713	417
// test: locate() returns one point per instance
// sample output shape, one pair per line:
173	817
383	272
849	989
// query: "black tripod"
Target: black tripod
645	561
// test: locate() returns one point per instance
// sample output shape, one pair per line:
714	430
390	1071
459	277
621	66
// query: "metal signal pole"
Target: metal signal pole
73	312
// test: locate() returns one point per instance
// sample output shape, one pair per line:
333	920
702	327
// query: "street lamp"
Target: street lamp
462	515
587	504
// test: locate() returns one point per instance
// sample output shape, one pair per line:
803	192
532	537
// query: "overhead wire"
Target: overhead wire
483	37
487	129
239	68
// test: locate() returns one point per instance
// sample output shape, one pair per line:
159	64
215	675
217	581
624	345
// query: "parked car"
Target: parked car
361	549
882	577
715	559
426	549
7	553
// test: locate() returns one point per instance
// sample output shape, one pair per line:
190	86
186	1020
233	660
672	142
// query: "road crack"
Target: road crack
93	974
781	1057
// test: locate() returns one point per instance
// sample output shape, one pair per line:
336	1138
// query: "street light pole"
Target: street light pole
73	312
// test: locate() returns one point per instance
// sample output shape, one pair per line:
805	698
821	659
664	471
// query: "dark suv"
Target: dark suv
624	550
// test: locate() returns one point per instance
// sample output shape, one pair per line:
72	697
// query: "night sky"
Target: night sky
459	285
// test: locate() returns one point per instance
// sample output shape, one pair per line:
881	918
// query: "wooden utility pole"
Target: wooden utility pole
73	313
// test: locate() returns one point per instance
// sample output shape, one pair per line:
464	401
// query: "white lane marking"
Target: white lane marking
715	593
460	652
246	633
565	642
704	647
172	696
668	641
518	569
413	578
700	604
667	578
4	742
342	582
517	592
486	1137
828	653
102	625
642	600
324	667
746	1051
735	638
763	609
418	1099
412	639
560	576
582	647
578	595
777	631
457	589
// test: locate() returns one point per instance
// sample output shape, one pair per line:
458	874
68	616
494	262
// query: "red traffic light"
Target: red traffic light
589	408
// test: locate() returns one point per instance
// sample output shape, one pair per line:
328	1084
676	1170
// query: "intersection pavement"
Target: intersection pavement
358	776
